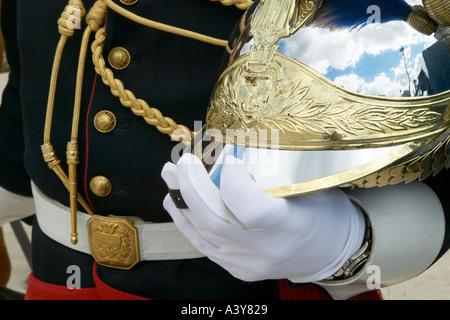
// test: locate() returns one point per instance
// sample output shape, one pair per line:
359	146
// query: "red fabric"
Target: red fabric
39	290
316	292
108	293
370	295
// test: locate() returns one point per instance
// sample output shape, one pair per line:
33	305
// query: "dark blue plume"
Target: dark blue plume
351	14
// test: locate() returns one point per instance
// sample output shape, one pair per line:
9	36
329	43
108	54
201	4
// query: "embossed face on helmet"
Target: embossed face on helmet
339	92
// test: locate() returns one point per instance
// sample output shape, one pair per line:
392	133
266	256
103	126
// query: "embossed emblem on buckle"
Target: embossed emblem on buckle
113	242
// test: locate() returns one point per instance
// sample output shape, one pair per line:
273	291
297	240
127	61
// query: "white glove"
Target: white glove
14	207
255	236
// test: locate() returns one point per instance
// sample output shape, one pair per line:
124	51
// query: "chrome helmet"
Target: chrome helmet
317	94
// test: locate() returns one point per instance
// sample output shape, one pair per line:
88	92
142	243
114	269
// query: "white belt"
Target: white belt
157	241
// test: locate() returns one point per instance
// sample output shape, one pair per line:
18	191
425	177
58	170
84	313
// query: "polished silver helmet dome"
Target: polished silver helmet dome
309	102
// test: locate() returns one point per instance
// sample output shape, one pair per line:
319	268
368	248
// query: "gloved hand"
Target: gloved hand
255	236
14	207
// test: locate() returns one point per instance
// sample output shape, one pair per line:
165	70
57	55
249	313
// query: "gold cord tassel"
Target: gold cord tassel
95	19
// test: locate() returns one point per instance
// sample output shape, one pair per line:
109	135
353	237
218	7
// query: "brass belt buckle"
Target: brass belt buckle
113	242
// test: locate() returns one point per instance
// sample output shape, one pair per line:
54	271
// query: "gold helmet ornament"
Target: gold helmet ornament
318	94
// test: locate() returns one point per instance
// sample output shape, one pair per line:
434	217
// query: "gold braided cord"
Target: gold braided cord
52	89
97	14
240	4
138	106
164	27
95	19
66	32
65	28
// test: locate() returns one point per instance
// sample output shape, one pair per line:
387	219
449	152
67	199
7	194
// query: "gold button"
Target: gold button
128	2
105	121
119	58
100	186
